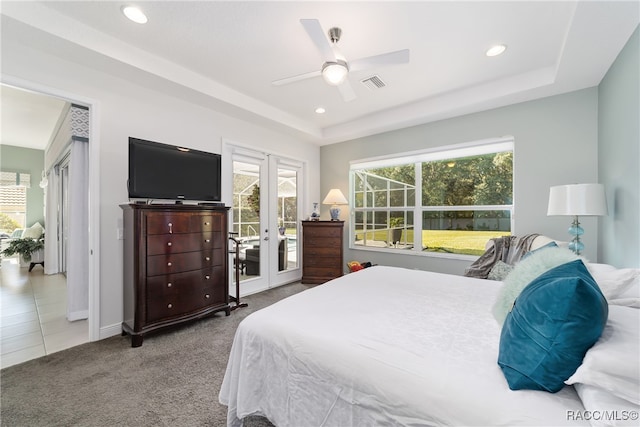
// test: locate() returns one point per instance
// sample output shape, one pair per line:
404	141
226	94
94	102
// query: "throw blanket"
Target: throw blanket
508	249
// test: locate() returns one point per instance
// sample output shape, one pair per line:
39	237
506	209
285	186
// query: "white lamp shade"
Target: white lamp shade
334	73
577	200
335	197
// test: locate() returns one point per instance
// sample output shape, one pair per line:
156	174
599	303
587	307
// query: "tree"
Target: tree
7	223
254	199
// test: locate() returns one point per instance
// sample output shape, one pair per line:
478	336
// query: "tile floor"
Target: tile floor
33	310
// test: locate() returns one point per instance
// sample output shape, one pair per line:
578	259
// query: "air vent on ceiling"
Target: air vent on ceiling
373	83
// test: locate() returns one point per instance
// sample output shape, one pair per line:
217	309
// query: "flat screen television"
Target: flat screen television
168	172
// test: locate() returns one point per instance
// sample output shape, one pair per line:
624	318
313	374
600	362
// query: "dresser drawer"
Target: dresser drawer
168	223
206	222
323	231
176	243
183	293
171	284
217	291
313	249
177	305
322	261
326	272
186	261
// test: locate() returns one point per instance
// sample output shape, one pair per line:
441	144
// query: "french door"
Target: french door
265	217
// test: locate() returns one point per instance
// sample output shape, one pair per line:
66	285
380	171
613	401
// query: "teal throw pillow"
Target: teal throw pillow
552	324
524	273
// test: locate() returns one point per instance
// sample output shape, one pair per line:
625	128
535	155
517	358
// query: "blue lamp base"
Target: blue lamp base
576	231
335	213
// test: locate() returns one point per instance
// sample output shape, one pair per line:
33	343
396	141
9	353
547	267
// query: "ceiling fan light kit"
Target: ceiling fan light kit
335	73
335	69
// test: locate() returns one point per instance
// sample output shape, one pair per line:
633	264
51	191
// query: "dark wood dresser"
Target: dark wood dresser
321	251
175	265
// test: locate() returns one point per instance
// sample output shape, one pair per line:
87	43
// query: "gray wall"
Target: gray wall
27	160
619	156
556	142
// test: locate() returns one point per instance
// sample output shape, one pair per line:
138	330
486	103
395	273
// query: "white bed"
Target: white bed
384	346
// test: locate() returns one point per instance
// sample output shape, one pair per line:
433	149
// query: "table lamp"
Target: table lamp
335	198
577	200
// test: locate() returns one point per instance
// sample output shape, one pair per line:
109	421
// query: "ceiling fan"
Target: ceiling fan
335	68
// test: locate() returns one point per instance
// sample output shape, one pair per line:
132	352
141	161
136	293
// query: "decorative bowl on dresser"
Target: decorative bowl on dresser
321	251
175	265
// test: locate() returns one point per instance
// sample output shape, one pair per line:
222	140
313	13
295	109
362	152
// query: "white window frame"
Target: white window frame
486	146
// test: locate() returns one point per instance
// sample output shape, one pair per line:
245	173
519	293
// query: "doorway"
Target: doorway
90	241
265	218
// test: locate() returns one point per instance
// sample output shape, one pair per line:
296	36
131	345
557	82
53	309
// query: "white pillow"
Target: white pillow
630	297
613	282
613	362
33	232
606	409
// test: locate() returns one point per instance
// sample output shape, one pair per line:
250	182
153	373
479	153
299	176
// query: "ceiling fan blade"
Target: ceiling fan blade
297	78
346	90
317	35
390	58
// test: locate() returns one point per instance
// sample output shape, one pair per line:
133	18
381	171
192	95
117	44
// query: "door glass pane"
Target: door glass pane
246	216
287	219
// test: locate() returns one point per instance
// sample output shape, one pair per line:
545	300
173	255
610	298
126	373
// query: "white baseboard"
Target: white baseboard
110	331
78	315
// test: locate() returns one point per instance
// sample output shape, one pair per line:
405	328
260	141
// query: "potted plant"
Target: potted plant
27	248
396	226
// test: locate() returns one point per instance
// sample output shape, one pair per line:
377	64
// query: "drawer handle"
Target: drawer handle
170	228
169	264
207	240
169	285
169	244
207	296
169	305
207	277
207	258
206	223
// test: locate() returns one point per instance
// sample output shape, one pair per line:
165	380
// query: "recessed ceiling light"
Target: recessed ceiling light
496	50
134	14
320	110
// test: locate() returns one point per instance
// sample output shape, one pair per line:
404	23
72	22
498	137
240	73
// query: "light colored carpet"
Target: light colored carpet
172	380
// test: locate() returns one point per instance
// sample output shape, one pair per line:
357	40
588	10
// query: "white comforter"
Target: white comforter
382	347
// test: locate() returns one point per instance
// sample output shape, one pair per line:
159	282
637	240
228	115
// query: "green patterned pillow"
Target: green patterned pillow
499	271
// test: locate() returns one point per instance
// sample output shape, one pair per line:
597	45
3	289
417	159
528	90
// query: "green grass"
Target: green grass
444	241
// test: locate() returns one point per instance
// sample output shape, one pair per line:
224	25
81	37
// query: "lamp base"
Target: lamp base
335	213
576	231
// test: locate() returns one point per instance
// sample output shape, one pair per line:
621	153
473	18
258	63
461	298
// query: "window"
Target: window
13	199
449	201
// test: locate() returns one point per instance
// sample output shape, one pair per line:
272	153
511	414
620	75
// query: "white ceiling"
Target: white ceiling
226	54
28	119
